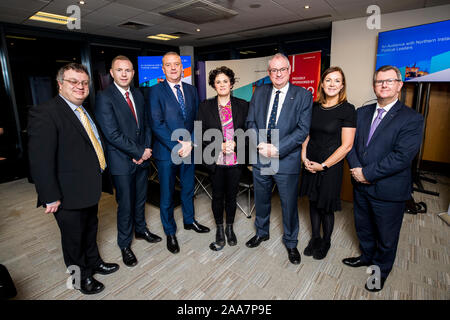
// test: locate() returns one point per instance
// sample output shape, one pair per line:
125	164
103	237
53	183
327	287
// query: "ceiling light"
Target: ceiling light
81	2
21	38
306	7
158	38
167	36
50	17
243	52
198	30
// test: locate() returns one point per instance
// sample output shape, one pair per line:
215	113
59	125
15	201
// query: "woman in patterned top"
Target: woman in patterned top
226	114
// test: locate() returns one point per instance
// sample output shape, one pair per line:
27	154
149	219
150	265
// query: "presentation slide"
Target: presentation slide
150	70
422	53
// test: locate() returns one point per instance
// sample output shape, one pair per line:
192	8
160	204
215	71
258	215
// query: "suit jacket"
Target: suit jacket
293	123
208	113
386	161
125	139
63	162
166	116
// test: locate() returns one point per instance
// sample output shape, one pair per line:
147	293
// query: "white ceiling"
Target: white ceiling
103	17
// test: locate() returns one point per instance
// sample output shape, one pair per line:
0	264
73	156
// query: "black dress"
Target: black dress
324	187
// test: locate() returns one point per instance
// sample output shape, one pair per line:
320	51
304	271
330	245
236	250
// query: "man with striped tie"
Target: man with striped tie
67	165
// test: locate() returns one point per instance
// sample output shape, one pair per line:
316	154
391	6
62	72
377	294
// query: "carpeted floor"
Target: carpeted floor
31	250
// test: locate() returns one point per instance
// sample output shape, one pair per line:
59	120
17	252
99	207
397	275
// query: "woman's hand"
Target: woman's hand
228	146
307	165
315	166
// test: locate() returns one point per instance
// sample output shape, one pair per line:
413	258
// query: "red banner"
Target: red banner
305	70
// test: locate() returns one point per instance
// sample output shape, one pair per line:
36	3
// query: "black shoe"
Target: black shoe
231	237
220	239
172	244
106	268
311	247
293	255
322	250
355	262
197	227
256	241
91	286
147	235
128	257
382	281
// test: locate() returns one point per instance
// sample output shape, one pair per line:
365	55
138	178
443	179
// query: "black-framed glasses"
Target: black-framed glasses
75	83
275	71
387	81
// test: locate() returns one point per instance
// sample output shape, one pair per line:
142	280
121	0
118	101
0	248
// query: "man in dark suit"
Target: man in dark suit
174	105
120	112
388	136
67	165
286	109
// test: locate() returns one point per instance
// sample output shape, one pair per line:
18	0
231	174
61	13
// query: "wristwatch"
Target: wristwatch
193	145
324	166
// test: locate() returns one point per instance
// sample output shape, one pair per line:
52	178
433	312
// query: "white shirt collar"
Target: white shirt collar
122	91
388	106
283	90
172	85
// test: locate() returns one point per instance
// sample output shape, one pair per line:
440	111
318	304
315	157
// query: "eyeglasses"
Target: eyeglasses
387	81
275	71
75	83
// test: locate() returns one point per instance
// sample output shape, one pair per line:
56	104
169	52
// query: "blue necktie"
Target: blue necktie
273	117
181	100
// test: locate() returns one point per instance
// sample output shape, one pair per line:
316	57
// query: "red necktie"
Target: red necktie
130	104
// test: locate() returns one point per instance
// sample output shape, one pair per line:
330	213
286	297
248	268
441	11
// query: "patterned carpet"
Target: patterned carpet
31	250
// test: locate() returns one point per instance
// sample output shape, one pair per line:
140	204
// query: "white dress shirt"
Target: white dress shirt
130	95
386	108
174	90
283	92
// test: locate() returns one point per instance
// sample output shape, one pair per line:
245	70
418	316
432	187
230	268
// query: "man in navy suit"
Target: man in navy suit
287	109
388	136
120	112
174	105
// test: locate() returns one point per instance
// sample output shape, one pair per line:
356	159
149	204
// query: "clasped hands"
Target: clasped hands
358	175
267	150
228	146
186	148
145	156
312	166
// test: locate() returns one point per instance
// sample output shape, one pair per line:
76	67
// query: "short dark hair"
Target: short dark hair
387	68
120	57
71	66
225	70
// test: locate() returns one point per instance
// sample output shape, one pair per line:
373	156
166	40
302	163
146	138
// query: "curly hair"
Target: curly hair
225	70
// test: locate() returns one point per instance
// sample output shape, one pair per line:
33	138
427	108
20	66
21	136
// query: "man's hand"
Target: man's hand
147	154
228	146
185	149
52	208
138	161
358	175
267	150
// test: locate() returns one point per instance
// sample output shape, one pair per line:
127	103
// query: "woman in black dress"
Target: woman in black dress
331	136
227	114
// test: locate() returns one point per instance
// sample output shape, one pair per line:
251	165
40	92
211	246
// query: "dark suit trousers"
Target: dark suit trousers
378	225
79	238
167	172
131	194
225	183
287	185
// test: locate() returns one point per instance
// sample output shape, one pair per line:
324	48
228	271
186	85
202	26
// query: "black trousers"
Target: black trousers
225	184
131	194
79	238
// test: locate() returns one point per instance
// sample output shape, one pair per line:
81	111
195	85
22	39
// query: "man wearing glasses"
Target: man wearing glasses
67	165
388	137
284	110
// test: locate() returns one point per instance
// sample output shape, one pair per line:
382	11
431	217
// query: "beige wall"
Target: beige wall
354	46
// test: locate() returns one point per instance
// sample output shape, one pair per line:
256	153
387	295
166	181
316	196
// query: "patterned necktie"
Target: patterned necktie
273	117
130	104
95	143
375	124
181	100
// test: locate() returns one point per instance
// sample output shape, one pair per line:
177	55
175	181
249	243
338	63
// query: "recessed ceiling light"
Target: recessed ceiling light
306	7
198	30
82	2
50	17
